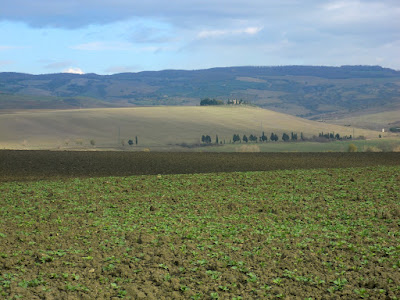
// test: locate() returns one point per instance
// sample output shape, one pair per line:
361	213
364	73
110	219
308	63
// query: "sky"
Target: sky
114	36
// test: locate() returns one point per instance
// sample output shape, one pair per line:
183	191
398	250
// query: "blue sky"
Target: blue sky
113	36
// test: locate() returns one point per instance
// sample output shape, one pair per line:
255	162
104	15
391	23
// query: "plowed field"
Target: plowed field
328	233
33	165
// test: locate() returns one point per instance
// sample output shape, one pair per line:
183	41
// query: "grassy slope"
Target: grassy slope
155	126
374	121
13	102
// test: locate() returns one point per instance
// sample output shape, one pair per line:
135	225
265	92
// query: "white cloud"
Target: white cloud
218	33
211	33
252	30
73	71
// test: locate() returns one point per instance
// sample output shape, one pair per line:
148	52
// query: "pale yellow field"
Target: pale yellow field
376	121
154	126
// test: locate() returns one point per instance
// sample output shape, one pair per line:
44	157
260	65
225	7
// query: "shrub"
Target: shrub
352	148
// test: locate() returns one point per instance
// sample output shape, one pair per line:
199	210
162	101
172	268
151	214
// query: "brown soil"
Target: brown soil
34	165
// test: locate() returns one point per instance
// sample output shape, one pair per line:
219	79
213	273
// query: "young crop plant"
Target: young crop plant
223	288
277	281
338	284
214	295
252	277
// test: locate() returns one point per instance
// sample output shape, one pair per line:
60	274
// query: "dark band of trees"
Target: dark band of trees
293	137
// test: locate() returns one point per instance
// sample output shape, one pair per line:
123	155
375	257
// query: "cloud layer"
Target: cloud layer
202	33
198	13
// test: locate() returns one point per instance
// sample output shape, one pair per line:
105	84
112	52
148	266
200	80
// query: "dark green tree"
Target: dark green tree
293	136
263	137
253	138
136	140
274	137
285	137
216	139
236	138
130	142
245	139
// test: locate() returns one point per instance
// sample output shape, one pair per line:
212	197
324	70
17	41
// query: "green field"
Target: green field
292	234
157	128
375	145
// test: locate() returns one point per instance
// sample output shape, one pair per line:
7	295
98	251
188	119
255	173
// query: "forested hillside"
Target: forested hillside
298	90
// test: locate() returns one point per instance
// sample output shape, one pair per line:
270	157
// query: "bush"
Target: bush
208	101
352	148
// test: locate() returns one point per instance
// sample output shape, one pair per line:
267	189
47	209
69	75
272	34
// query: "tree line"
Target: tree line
333	136
208	101
273	137
236	138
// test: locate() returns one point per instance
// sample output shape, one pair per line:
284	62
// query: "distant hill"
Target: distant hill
161	126
306	91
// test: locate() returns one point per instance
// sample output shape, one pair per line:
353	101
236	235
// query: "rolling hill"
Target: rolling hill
154	126
373	121
311	92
